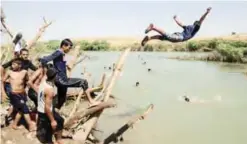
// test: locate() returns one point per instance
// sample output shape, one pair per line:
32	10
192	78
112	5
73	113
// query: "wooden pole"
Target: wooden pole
91	122
115	135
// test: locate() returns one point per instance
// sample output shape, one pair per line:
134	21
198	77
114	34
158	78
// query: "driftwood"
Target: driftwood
83	113
76	105
91	122
81	59
114	136
72	62
31	43
6	56
80	95
3	16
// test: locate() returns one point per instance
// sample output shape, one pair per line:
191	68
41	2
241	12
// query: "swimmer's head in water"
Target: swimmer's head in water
149	69
137	83
186	99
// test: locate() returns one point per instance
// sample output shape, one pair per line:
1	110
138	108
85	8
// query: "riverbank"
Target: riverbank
231	48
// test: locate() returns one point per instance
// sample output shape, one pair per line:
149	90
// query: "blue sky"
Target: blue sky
80	19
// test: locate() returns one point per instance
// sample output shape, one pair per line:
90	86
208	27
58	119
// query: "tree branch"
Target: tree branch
115	135
3	16
91	122
31	43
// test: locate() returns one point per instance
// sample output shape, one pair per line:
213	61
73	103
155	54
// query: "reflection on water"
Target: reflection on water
174	121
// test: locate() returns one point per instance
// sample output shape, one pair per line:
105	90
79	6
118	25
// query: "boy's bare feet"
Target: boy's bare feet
149	28
145	40
32	127
94	103
15	127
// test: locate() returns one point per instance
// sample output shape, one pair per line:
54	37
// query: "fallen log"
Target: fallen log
88	111
118	134
91	122
75	106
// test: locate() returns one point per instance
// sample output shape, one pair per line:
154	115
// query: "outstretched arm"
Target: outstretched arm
178	22
51	57
34	77
204	15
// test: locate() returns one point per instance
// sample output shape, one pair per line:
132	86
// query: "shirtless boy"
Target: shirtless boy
18	97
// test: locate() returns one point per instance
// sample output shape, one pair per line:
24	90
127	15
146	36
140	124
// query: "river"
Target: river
220	118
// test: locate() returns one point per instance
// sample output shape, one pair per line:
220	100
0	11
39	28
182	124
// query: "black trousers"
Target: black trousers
63	83
44	129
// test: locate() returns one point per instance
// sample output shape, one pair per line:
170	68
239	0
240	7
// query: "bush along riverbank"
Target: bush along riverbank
234	51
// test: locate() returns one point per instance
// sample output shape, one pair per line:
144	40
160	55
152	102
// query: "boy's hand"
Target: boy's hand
54	125
175	16
209	9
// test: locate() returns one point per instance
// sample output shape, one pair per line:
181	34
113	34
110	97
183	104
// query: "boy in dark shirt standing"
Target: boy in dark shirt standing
62	81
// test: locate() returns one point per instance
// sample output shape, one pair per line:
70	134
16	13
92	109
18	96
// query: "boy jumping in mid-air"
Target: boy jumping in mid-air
188	32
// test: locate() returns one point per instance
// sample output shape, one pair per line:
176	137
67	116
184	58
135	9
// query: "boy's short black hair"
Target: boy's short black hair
197	26
51	74
17	61
197	23
66	42
17	38
23	49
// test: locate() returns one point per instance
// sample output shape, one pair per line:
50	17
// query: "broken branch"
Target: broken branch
83	113
91	122
3	16
38	35
115	135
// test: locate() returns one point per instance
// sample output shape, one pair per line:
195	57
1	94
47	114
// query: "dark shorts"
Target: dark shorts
174	37
18	100
44	129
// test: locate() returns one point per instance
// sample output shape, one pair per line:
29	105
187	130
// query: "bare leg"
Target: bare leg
152	27
17	119
58	136
90	99
31	126
10	111
155	37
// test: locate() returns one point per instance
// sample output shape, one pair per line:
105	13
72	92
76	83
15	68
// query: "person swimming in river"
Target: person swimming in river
189	31
195	100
